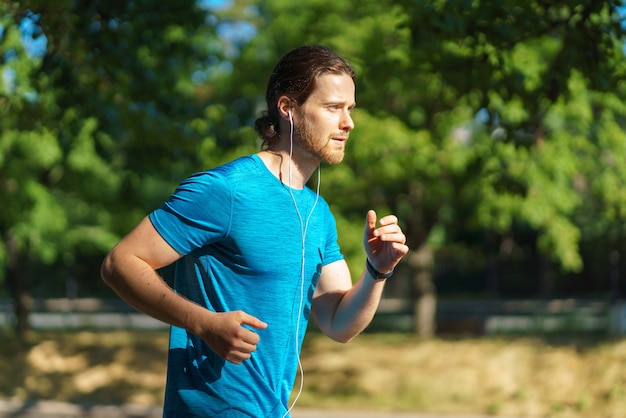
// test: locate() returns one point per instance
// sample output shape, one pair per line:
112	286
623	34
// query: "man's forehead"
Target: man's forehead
338	87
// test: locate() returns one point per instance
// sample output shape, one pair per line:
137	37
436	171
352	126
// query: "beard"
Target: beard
316	146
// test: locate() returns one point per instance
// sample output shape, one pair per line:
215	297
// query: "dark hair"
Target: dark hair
294	76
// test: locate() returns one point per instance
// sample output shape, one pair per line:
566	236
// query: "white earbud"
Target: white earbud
290	119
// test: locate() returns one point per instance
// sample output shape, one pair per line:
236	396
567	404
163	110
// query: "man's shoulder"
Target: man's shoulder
239	166
235	168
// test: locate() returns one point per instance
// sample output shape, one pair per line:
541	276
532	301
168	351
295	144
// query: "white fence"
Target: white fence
497	316
479	317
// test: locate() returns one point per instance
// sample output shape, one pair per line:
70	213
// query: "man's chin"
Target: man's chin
335	159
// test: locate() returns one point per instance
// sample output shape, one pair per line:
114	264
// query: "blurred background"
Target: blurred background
493	129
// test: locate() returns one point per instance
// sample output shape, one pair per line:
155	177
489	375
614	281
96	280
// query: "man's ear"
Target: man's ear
285	107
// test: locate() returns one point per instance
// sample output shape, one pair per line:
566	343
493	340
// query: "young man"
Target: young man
255	251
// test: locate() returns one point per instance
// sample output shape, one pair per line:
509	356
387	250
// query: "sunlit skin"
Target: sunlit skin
322	124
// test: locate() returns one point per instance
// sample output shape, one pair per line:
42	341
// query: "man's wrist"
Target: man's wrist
375	273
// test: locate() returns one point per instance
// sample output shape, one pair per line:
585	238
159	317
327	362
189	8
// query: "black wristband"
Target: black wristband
375	273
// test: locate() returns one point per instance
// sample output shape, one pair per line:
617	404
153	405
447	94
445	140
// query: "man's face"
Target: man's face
323	123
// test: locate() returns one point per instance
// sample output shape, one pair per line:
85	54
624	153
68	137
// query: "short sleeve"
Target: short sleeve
332	251
196	214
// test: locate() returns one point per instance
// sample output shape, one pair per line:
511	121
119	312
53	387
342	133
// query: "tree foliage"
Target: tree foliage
494	129
98	128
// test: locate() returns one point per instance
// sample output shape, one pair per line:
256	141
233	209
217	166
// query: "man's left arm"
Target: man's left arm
342	310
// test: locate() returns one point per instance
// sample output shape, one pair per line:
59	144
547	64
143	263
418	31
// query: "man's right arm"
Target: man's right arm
130	270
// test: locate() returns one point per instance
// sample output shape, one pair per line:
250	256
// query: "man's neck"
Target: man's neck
294	171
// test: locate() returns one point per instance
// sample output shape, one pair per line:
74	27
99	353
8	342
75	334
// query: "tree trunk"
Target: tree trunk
18	282
421	262
547	278
614	284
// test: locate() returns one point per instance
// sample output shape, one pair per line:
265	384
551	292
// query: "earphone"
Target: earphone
304	224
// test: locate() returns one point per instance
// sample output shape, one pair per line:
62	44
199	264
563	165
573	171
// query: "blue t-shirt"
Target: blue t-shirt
241	236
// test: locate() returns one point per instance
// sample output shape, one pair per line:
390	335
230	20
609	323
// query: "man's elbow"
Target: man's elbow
107	269
342	337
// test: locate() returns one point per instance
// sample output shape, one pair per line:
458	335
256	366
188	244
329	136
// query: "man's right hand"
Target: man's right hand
227	336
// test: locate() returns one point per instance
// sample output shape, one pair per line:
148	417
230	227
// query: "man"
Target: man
255	251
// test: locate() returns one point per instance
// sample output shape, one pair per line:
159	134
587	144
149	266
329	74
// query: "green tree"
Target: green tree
98	128
493	129
517	62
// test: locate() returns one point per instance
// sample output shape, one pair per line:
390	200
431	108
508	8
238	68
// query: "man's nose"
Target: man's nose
347	124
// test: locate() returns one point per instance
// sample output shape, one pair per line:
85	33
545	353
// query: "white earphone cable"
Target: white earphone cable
303	229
